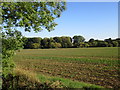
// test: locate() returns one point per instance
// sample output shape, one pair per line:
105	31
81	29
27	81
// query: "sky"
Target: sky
98	20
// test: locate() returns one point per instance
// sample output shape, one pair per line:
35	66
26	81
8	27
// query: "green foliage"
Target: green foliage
82	44
115	43
54	45
108	40
118	42
91	40
10	42
58	45
66	42
110	45
45	42
32	15
92	43
102	43
77	40
56	42
32	42
86	44
35	45
29	15
57	39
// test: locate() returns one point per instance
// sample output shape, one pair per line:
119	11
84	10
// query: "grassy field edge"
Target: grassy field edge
62	82
26	77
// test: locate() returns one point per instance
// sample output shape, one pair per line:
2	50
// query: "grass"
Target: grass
81	60
107	52
97	66
31	79
66	82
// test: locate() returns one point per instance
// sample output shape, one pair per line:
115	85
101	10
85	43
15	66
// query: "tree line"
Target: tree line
68	42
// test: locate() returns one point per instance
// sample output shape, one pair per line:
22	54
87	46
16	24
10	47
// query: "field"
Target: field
97	66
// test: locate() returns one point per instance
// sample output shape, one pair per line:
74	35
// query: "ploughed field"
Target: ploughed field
91	65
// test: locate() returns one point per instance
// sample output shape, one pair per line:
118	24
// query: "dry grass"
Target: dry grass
30	76
29	80
25	79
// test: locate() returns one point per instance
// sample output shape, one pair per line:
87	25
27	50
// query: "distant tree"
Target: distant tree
69	42
91	40
36	40
86	44
115	43
108	40
82	44
45	43
35	46
51	43
105	44
30	41
101	43
66	42
58	45
92	43
77	40
55	45
110	45
118	40
57	39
